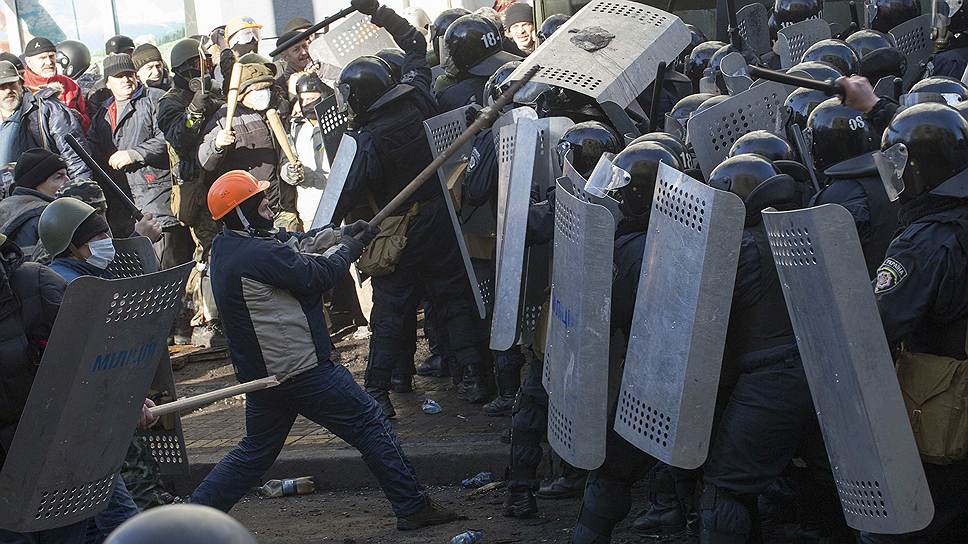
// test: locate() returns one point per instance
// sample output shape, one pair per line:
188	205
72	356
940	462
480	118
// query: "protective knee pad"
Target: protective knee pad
725	518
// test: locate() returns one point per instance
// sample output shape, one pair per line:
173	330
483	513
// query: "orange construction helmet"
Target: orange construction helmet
231	189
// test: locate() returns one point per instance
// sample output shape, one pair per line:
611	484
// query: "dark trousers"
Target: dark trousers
330	397
430	267
529	424
949	491
767	419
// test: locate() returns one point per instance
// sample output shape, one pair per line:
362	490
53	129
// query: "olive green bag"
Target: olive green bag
383	253
935	391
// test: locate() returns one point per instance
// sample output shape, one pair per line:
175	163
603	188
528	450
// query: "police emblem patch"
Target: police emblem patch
472	162
889	275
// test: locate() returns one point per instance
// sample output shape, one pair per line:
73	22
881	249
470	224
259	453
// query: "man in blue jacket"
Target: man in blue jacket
268	286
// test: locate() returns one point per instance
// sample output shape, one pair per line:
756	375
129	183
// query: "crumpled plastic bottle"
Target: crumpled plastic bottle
468	537
430	406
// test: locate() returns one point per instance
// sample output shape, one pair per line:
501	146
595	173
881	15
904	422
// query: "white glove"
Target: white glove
224	138
149	227
123	158
293	173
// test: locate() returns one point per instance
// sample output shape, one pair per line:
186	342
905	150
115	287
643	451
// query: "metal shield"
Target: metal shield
848	365
712	132
793	41
442	130
522	273
332	125
913	38
352	37
86	398
753	23
608	51
734	69
503	130
678	334
576	356
166	441
339	171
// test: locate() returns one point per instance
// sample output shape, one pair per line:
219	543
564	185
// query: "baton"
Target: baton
311	30
805	155
487	118
188	404
103	179
656	94
828	87
733	29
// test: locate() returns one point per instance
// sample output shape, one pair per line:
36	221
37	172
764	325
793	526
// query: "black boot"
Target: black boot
570	484
432	514
473	388
433	367
508	383
665	515
520	503
382	397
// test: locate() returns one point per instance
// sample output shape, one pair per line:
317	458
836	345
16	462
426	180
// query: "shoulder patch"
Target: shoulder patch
474	160
889	275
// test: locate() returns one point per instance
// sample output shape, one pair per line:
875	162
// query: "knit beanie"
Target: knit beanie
35	166
518	13
118	63
89	228
145	53
37	46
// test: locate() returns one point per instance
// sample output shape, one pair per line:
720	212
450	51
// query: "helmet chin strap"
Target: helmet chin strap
245	222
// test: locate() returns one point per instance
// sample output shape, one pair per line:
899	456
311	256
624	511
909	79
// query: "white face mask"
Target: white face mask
102	253
258	100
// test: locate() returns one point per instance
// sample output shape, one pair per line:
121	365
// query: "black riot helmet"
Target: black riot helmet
687	106
817	70
763	143
866	40
838	132
474	46
935	137
499	82
585	143
641	161
883	15
942	89
666	140
800	103
394	58
362	83
442	23
741	174
550	25
699	58
788	12
696	37
835	53
183	523
710	102
310	83
73	57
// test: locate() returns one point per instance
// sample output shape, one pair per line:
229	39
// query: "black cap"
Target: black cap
518	13
297	23
37	46
89	228
288	35
118	44
8	72
35	166
118	64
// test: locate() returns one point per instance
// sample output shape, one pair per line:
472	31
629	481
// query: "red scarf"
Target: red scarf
70	94
501	5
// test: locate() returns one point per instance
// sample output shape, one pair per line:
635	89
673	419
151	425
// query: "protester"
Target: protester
37	177
519	25
41	59
151	67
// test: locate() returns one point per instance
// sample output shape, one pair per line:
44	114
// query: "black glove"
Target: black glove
354	246
360	230
366	7
199	102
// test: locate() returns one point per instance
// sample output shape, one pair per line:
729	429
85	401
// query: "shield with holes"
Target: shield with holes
166	441
608	51
442	130
712	132
678	333
332	126
793	41
849	367
338	172
352	37
576	355
102	355
522	272
913	38
753	23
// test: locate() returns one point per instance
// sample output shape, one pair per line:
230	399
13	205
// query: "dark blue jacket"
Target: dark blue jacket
71	269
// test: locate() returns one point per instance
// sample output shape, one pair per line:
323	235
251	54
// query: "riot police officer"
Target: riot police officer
922	295
842	145
763	143
386	120
952	58
887	14
474	53
836	53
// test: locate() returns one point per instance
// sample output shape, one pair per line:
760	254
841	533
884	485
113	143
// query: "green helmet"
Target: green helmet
87	191
59	222
184	51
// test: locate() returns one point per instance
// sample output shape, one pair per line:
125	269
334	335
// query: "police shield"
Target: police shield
442	131
875	461
712	132
522	273
86	398
352	37
576	356
608	51
166	441
753	23
672	366
332	125
339	171
913	38
793	41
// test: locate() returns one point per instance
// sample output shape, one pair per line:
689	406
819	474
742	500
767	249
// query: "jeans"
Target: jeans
94	530
327	395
